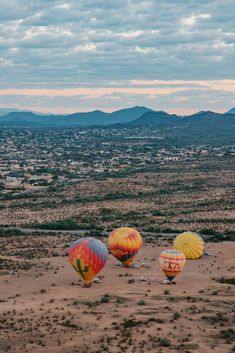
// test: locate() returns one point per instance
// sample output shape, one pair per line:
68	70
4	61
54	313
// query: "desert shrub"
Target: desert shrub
96	232
164	342
217	236
228	335
226	280
10	232
66	224
141	302
222	237
176	315
69	324
208	231
105	299
219	318
128	323
230	237
170	230
157	213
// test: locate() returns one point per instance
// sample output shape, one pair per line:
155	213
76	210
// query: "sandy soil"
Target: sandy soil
44	308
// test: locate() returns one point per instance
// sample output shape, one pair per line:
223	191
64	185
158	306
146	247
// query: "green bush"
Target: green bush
10	232
141	302
226	280
164	342
208	231
105	299
176	315
66	224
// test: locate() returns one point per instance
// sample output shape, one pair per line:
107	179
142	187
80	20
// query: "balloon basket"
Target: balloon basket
86	285
166	281
119	264
134	266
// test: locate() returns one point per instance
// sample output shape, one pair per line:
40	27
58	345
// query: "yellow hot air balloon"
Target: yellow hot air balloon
191	244
171	262
124	243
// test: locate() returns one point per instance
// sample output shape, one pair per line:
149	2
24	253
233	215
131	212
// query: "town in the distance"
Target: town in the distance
36	155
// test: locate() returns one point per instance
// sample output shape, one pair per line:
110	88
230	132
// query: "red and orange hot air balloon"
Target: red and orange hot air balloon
88	257
124	243
171	262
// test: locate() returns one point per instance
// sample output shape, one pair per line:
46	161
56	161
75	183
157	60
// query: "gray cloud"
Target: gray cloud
195	97
61	44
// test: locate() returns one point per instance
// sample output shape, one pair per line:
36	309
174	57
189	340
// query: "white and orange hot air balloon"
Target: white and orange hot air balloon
172	262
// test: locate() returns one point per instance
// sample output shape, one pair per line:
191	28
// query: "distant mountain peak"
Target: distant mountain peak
96	111
5	111
155	118
231	111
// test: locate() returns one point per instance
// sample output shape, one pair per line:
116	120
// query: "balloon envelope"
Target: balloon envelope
191	244
124	243
171	262
88	256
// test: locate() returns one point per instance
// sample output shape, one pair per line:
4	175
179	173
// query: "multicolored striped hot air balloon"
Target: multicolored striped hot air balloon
124	243
88	256
171	262
191	244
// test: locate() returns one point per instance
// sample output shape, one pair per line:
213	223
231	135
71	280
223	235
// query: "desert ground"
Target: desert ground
44	308
179	196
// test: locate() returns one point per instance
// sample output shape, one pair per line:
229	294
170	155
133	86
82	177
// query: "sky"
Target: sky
81	55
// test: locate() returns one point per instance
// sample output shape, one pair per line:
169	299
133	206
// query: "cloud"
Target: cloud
86	47
191	20
183	97
89	43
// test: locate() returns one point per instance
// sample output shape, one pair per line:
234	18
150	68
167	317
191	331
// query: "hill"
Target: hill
231	111
203	126
5	111
204	120
156	118
97	117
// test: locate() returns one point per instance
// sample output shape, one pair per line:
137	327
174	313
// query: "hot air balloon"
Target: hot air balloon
171	262
124	243
88	256
191	244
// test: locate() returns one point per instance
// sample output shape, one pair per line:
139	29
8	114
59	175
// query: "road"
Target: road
85	231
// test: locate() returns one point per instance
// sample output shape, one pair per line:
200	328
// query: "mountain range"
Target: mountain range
130	117
200	120
97	117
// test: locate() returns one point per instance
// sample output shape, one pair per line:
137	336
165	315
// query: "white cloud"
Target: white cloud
191	20
63	6
85	48
5	63
223	45
130	34
39	31
147	50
